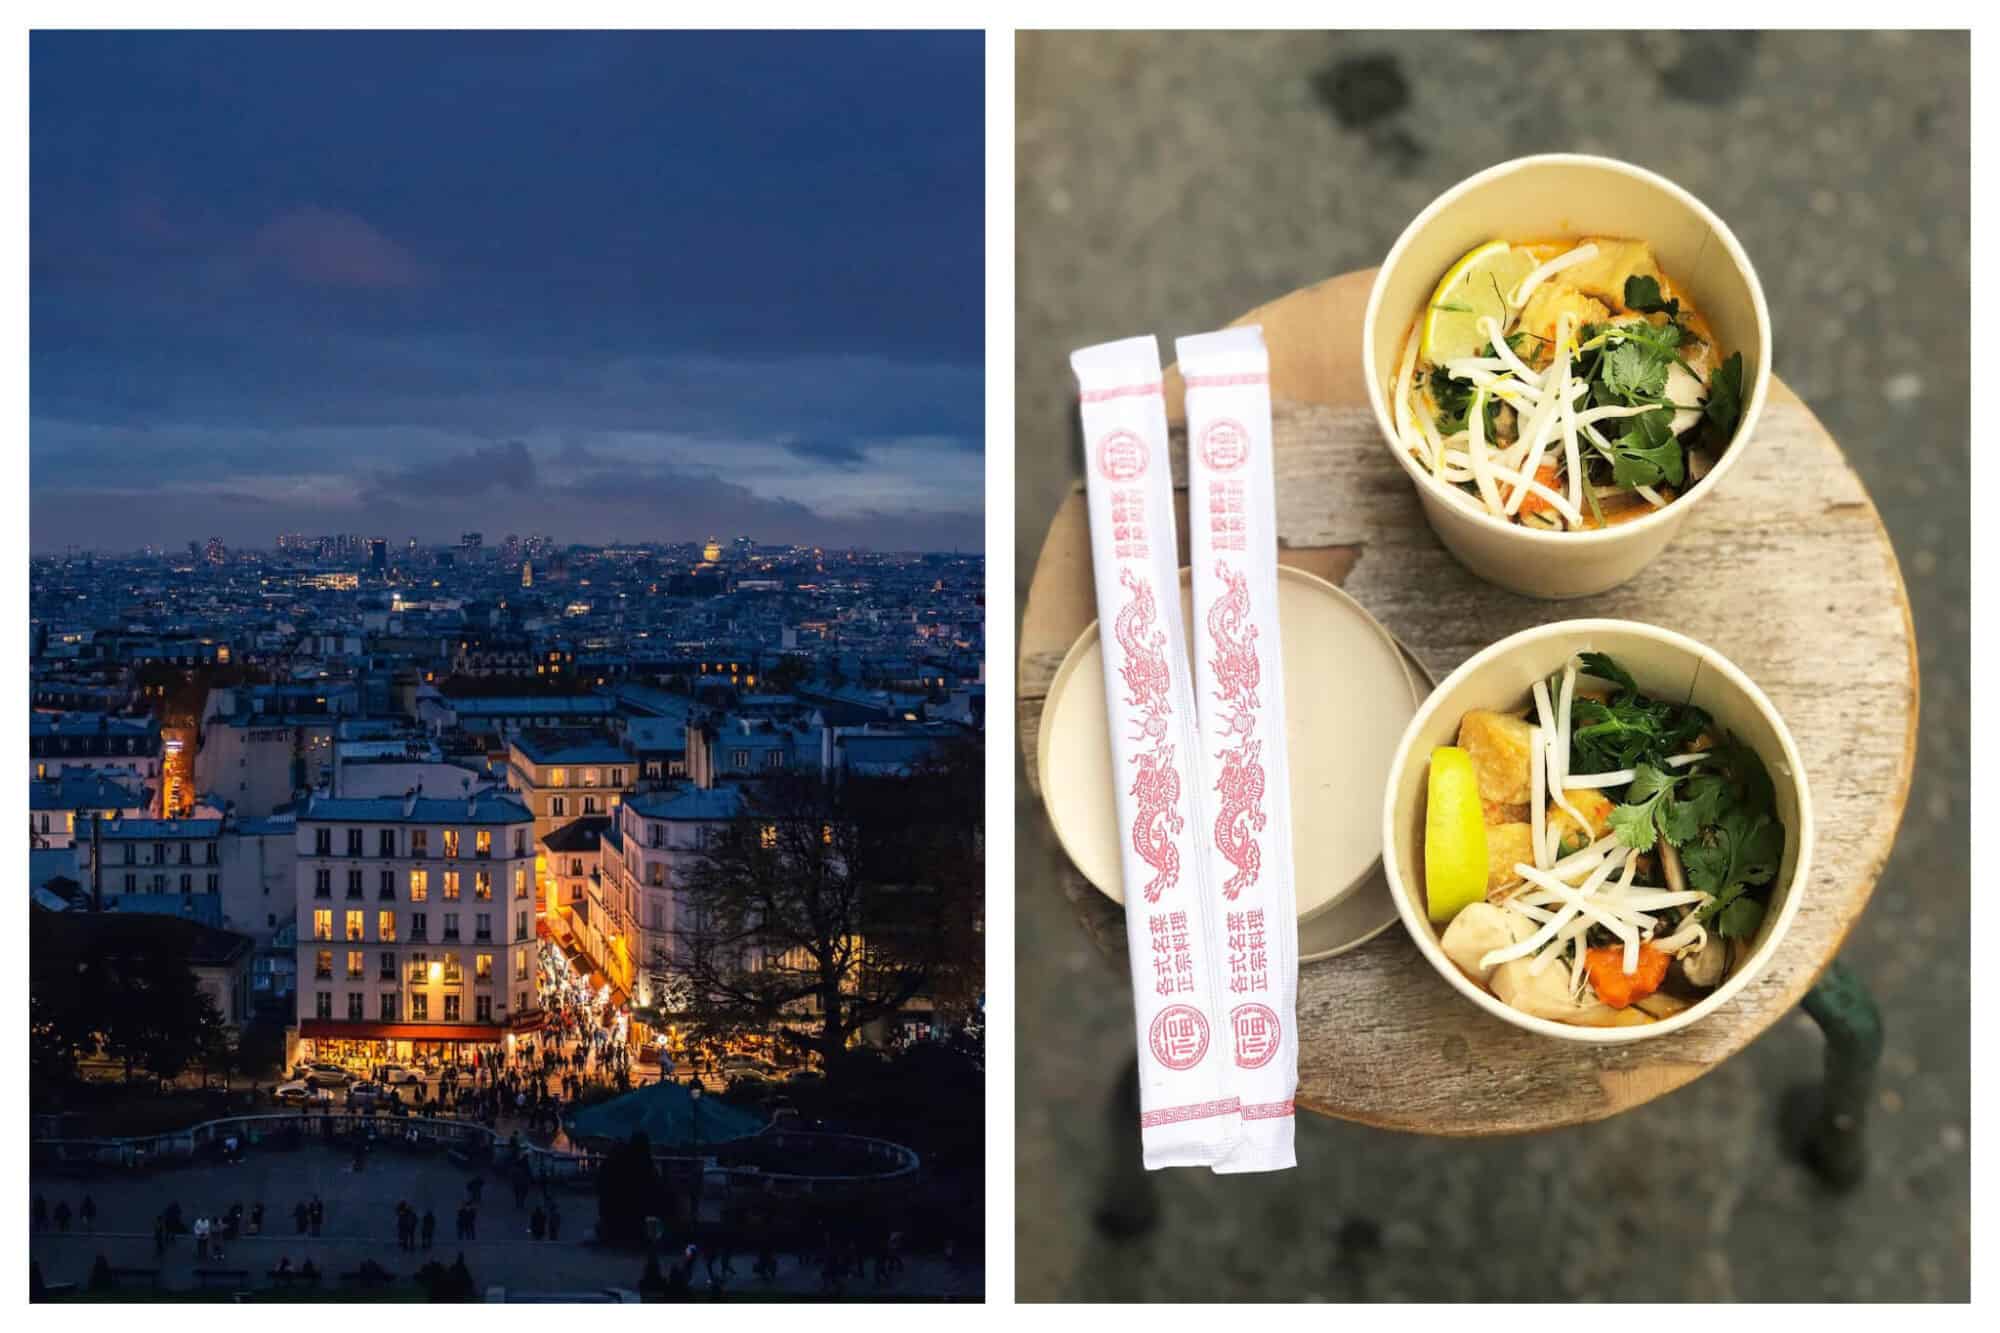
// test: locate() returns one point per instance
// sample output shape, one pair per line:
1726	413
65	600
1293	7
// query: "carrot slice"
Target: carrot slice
1535	504
1606	967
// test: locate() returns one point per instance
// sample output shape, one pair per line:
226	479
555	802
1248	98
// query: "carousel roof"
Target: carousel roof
667	1113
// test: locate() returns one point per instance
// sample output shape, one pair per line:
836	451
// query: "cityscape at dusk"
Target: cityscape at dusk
613	287
507	693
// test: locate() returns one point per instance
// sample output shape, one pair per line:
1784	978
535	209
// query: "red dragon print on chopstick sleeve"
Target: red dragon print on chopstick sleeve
1241	782
1158	784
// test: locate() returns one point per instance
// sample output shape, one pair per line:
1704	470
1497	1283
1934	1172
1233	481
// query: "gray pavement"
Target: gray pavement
360	1224
1168	182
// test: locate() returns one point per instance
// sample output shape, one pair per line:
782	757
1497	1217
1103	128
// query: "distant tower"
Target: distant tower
712	552
527	574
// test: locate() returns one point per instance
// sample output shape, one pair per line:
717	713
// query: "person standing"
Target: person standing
62	1214
430	1227
88	1212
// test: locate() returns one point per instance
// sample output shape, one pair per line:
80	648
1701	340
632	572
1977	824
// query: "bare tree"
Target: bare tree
821	910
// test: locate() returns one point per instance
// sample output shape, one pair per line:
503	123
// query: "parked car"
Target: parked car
364	1096
298	1093
745	1066
328	1076
395	1074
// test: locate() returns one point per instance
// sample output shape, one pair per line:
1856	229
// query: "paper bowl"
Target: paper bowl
1666	665
1554	196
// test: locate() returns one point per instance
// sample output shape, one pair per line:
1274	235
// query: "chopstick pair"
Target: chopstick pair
1202	792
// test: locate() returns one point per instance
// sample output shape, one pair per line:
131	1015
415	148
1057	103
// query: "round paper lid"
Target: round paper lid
1348	698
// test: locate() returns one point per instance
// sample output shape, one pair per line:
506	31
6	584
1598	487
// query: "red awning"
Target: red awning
336	1029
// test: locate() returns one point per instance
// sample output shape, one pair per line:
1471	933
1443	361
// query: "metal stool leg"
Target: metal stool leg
1128	1206
1831	1121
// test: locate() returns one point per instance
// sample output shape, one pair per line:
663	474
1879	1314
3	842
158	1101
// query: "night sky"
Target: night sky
648	286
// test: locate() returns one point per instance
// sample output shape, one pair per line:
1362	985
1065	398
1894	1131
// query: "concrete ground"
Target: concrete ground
360	1223
1166	183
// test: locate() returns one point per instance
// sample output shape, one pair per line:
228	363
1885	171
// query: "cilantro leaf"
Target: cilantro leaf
1453	398
1707	795
1634	825
1739	920
1649	782
1648	452
1725	397
1680	822
1633	372
1744	853
1642	294
1633	821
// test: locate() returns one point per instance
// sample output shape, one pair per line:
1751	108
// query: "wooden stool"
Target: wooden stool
1785	569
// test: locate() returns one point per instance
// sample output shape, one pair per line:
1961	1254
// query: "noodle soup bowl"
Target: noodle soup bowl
1665	665
1540	198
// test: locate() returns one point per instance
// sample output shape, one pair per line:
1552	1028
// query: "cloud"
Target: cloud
839	453
321	247
507	468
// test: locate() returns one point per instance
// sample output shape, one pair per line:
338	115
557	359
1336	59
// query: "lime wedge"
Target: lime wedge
1454	835
1474	288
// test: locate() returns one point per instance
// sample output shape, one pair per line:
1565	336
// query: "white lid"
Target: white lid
1349	696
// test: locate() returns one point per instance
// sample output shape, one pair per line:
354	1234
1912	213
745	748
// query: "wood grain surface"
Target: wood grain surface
1785	569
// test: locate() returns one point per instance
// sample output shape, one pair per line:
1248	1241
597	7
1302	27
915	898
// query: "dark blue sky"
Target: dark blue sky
620	285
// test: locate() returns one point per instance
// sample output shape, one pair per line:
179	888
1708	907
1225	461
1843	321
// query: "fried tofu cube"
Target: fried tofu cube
1507	845
1593	805
1549	303
1603	276
1498	744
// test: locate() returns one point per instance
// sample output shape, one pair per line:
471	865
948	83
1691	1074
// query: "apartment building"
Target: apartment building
416	925
567	775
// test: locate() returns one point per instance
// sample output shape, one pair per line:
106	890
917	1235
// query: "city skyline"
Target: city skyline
592	286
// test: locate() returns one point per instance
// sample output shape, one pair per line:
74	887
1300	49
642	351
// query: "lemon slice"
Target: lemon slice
1474	288
1454	835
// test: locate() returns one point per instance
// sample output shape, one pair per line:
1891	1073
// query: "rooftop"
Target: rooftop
485	807
689	802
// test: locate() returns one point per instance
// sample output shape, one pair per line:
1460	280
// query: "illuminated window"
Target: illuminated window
385	925
521	965
357	964
451	842
482	843
767	837
482	967
826	834
323	965
521	880
323	926
559	777
451	886
452	975
482	884
354	925
420	886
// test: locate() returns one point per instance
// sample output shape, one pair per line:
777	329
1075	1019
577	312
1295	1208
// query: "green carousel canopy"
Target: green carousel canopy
666	1113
